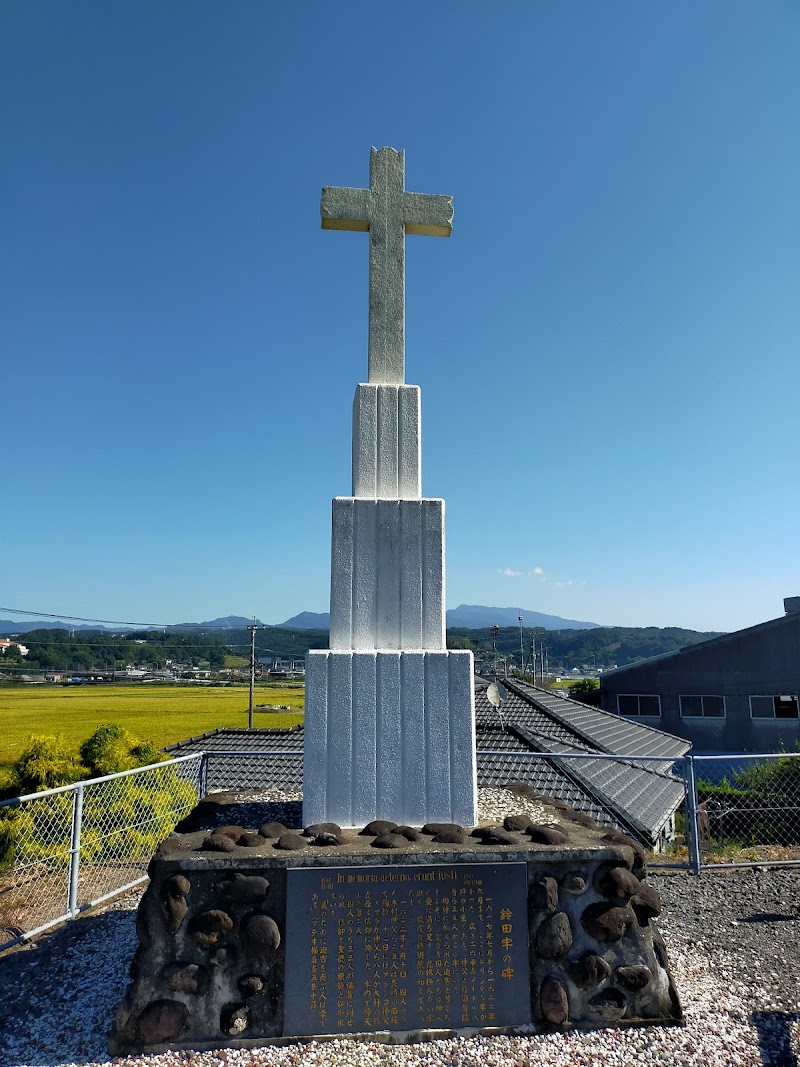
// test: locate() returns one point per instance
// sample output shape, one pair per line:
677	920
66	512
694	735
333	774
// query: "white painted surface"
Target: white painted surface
389	735
388	212
387	574
386	442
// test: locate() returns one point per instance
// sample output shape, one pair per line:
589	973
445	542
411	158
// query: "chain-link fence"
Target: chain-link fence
65	850
744	809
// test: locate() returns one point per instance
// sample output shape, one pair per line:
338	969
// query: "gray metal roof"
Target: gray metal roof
604	730
539	726
642	795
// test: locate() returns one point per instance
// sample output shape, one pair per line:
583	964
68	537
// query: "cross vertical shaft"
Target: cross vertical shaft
387	271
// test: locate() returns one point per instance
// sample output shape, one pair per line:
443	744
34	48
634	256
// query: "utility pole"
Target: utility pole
495	631
252	628
521	652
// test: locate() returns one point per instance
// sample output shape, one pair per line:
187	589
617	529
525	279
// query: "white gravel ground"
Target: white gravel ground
733	943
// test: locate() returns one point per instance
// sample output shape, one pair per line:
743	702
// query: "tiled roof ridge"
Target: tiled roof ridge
610	714
233	730
604	800
565	724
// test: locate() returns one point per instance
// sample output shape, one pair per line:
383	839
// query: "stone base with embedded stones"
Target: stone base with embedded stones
210	970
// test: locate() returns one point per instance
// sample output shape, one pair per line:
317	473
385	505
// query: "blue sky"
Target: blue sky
607	345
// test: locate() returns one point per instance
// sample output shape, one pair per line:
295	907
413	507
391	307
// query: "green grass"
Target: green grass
161	714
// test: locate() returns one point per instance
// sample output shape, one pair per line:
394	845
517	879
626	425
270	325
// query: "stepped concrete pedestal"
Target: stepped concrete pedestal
389	735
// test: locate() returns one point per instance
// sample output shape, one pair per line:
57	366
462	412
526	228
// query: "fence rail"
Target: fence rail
65	850
68	849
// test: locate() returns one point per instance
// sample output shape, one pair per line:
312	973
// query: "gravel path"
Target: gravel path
733	938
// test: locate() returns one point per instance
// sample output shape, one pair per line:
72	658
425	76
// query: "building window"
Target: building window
702	707
639	704
774	707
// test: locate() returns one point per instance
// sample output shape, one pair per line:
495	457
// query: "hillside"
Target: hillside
603	646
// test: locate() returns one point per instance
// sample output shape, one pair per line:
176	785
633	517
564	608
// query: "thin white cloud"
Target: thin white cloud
509	573
537	571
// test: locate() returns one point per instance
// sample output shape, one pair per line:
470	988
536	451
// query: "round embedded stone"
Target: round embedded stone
230	831
608	1006
607	922
219	843
646	901
553	1001
546	835
390	841
273	829
554	936
583	819
291	842
185	978
452	835
481	831
617	882
322	828
622	839
233	1019
544	894
250	840
250	984
378	827
328	839
517	823
174	891
409	833
162	1020
574	883
589	971
434	828
633	977
243	888
209	927
496	836
260	935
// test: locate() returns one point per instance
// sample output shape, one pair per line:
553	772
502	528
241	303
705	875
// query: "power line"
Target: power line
79	618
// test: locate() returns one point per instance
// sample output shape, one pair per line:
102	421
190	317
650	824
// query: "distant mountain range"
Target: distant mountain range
468	616
465	616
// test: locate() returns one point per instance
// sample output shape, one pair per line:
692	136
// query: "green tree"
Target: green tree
587	690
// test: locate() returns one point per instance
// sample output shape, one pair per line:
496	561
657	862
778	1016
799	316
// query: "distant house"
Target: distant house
734	693
6	643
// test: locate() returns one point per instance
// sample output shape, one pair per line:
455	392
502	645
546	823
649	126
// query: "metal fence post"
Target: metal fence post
202	784
692	820
75	851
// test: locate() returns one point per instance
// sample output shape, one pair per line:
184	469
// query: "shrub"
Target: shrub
111	749
46	764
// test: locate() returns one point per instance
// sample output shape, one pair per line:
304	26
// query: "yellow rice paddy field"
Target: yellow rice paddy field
162	714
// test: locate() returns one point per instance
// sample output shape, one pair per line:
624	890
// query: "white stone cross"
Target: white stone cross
388	212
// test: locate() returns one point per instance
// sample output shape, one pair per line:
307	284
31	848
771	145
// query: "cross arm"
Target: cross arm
427	214
344	209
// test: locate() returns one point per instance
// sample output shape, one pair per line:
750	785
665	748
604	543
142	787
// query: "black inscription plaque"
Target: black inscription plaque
406	947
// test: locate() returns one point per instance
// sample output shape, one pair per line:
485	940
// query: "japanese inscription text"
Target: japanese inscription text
406	947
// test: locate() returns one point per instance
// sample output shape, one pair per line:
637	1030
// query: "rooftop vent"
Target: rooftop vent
791	604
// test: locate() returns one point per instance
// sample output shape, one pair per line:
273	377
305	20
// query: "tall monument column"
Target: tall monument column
389	717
